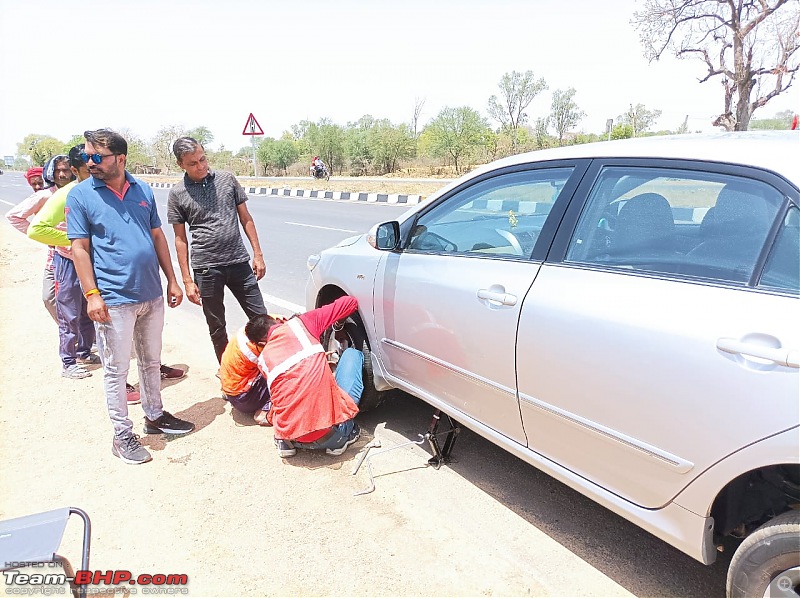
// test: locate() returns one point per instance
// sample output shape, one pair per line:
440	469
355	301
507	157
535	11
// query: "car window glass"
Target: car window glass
501	216
678	221
783	265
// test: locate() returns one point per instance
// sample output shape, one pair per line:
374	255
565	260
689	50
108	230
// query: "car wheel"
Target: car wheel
355	336
767	563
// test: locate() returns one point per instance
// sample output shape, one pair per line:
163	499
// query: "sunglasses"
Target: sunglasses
96	158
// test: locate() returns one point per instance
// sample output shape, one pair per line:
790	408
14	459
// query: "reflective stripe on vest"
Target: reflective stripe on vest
307	349
243	341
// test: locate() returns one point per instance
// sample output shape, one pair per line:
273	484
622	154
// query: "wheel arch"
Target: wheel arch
748	487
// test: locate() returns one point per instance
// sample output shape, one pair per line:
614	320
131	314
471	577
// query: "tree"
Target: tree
357	144
564	112
517	90
751	45
328	141
39	148
161	146
418	104
456	133
278	154
389	144
75	140
782	120
202	135
639	118
540	132
621	131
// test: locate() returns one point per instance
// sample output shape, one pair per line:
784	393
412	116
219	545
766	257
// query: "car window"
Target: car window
501	216
783	265
678	221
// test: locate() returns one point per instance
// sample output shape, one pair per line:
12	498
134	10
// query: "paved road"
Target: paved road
291	229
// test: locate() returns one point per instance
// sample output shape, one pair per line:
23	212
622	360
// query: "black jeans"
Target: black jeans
211	282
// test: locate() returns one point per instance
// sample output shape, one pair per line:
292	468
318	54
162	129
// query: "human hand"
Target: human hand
175	294
259	267
97	309
193	293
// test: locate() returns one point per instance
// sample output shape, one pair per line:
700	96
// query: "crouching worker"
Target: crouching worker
310	408
243	386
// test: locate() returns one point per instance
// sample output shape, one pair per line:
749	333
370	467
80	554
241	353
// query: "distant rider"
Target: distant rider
317	167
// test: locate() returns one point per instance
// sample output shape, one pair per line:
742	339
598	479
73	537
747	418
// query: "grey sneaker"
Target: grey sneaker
91	359
130	450
285	448
354	434
76	372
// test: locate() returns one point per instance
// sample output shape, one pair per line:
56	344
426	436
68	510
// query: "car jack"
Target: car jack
440	455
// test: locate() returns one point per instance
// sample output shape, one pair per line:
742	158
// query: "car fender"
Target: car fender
780	448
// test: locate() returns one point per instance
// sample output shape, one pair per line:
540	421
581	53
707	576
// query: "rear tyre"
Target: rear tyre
768	560
357	338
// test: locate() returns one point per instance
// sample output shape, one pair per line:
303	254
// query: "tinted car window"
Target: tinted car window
783	266
677	221
501	216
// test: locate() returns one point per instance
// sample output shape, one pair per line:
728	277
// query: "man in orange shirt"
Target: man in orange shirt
243	386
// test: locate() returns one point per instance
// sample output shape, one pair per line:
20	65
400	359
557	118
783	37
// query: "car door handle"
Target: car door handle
504	298
781	356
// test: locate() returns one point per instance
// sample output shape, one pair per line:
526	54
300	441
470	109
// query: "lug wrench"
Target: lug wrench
368	460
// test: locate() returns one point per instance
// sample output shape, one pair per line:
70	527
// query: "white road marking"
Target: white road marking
277	301
344	230
292	307
8	203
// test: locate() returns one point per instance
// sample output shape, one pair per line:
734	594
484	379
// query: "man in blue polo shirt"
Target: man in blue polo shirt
117	248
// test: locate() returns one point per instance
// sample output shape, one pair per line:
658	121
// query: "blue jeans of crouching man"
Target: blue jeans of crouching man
350	378
141	324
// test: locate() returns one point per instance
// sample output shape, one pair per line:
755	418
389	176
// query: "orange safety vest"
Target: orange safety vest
238	368
305	396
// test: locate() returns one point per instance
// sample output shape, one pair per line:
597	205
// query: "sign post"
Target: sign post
252	128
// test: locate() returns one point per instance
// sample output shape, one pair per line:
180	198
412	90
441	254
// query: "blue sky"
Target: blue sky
141	65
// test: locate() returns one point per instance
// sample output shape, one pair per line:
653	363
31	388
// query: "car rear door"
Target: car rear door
447	305
648	348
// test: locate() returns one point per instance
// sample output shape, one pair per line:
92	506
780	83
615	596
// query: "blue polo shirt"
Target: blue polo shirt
122	249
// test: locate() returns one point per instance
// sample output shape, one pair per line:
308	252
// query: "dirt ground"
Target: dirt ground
220	506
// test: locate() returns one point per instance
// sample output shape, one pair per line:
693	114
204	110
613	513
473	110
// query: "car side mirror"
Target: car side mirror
385	237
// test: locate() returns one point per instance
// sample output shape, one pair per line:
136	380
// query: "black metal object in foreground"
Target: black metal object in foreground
441	454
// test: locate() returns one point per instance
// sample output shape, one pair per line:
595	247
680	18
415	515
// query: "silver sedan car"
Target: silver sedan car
624	316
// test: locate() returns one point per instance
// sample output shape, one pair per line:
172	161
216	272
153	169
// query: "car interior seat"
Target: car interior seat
734	236
644	228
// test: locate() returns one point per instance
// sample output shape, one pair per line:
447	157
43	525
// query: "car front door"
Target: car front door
448	304
648	350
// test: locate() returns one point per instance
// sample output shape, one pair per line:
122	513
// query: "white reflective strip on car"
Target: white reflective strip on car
242	339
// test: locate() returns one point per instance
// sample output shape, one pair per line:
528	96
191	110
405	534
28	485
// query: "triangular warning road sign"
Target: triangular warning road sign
251	127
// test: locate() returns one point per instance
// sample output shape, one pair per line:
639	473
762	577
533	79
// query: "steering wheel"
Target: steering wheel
512	240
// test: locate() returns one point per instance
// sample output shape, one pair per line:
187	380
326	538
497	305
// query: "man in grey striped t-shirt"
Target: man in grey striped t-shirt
212	203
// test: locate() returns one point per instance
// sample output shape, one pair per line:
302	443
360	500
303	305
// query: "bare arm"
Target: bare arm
174	292
182	251
95	306
249	226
